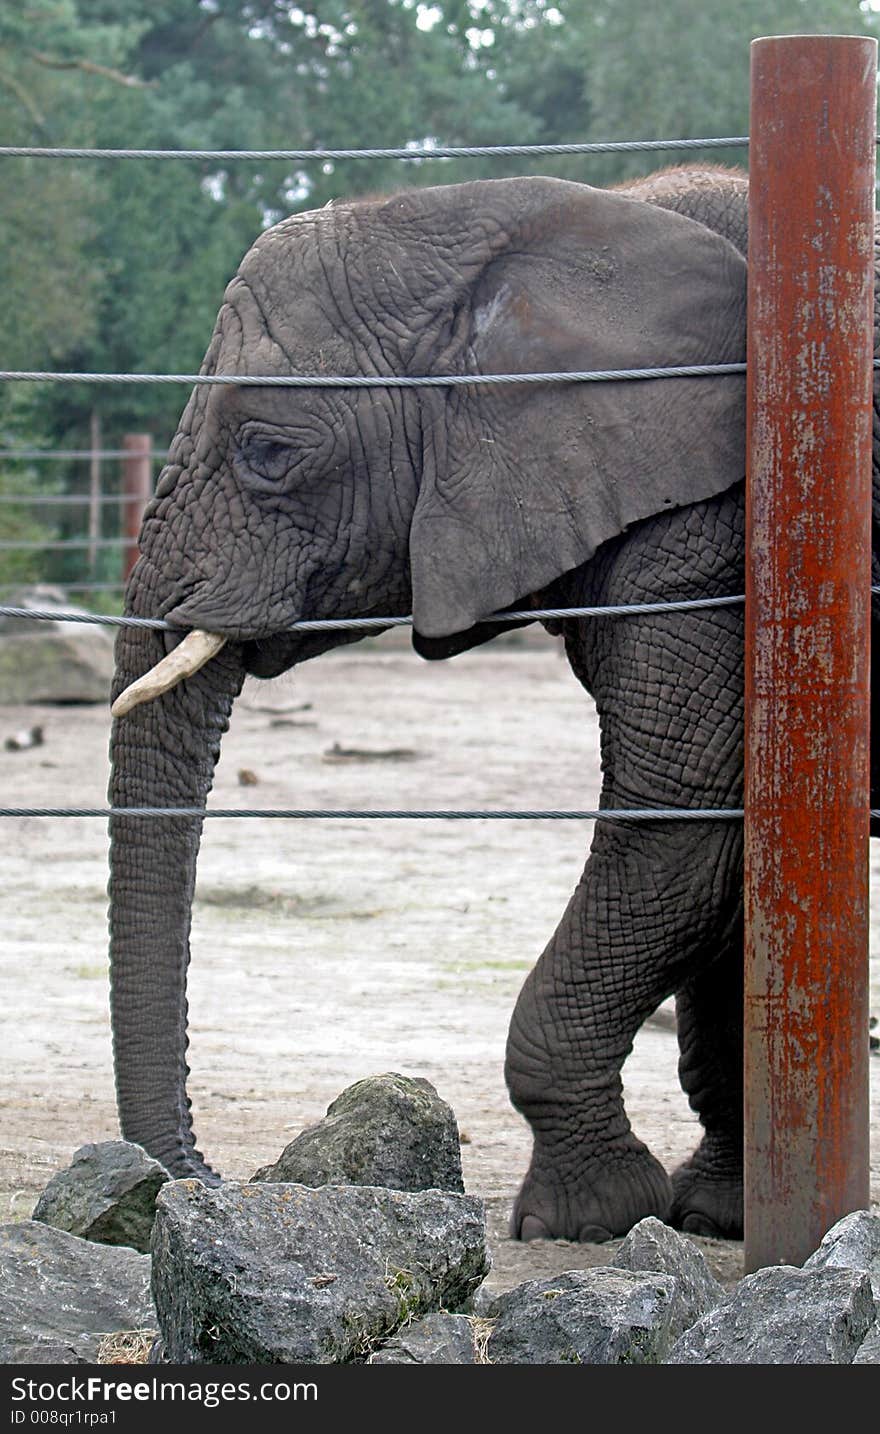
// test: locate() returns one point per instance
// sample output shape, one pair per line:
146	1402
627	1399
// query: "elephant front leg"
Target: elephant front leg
643	914
708	1188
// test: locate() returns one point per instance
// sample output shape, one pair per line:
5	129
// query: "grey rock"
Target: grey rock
33	1349
852	1244
389	1130
653	1246
53	661
440	1338
156	1353
107	1194
783	1315
265	1274
598	1316
61	1295
481	1302
868	1351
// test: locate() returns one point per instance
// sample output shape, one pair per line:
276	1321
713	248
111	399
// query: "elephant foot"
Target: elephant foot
707	1200
185	1163
599	1201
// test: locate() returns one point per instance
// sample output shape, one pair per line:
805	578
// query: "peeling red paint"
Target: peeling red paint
810	350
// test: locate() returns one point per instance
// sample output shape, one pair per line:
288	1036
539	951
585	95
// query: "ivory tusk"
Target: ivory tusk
197	648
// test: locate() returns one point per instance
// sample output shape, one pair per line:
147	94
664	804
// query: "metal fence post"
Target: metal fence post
137	486
95	444
810	349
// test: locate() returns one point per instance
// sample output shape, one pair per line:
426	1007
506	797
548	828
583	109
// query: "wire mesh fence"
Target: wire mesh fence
84	539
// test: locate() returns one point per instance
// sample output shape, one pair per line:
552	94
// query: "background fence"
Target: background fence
90	541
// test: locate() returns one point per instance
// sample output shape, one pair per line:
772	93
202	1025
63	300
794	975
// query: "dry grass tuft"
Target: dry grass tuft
482	1328
126	1346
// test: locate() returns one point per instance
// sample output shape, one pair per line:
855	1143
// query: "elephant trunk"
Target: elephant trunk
163	754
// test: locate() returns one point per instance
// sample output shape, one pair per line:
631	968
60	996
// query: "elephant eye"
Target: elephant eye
266	458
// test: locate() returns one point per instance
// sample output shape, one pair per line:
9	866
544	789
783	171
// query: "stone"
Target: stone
868	1351
481	1302
653	1246
283	1273
390	1130
852	1244
52	661
440	1338
156	1353
597	1316
107	1194
783	1315
59	1295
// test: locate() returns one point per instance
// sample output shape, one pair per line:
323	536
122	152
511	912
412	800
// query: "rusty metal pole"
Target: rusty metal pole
810	349
137	490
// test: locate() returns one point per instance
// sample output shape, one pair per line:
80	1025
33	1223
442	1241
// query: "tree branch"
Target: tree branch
131	82
8	82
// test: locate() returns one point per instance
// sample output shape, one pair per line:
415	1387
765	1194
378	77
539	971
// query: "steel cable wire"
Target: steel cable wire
357	814
405	152
354	623
615	814
361	380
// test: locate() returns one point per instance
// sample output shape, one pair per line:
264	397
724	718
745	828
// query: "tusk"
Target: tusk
197	648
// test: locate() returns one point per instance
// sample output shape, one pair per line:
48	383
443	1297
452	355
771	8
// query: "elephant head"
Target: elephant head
282	504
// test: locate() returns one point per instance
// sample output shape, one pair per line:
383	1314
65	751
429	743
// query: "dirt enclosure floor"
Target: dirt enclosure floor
326	951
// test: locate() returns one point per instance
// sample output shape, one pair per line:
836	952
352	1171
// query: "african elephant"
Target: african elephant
280	504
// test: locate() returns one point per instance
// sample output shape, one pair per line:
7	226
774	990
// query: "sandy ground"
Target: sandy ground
324	952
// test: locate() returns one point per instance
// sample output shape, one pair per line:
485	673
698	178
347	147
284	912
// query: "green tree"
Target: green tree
24	521
48	221
48	210
676	71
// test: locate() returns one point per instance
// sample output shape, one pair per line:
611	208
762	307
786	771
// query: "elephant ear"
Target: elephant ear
523	483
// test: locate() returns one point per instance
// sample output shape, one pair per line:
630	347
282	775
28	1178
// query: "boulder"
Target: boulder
598	1316
60	1295
653	1246
783	1315
852	1244
390	1130
440	1338
272	1273
107	1194
51	660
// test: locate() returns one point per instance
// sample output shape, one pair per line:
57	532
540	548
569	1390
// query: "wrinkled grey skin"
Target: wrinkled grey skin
278	505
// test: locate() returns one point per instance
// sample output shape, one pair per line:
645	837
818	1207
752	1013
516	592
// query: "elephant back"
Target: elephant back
713	195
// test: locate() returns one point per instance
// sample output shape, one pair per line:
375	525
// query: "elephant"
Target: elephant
455	503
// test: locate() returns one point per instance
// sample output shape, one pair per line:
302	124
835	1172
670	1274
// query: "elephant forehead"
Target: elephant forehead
290	245
282	318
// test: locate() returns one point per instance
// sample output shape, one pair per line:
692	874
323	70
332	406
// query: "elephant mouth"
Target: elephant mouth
187	653
198	630
266	657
